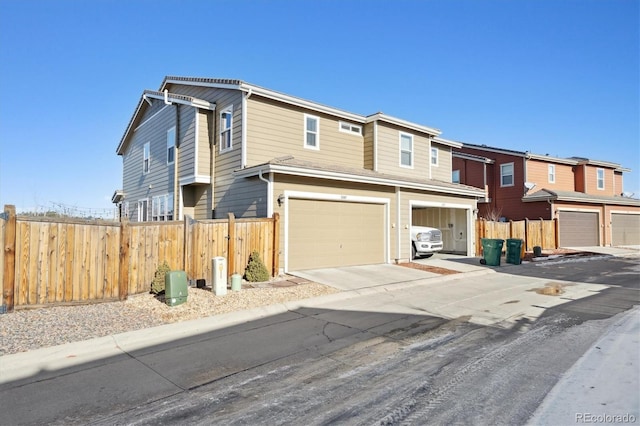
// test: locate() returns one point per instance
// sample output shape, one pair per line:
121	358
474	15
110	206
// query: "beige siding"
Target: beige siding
160	179
186	143
277	130
205	128
442	171
244	197
388	153
369	149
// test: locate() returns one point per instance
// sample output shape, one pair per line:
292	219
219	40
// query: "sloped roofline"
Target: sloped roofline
223	83
573	161
579	197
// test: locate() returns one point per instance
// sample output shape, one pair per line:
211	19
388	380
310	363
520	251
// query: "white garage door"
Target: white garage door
325	234
625	229
578	229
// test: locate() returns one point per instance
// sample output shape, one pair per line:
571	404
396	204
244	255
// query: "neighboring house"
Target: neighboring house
584	195
347	187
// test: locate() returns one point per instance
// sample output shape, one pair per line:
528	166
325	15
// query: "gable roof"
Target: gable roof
292	166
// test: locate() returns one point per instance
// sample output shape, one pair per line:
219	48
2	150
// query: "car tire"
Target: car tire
413	251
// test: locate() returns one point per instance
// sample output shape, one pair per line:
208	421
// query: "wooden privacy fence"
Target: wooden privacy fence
542	233
64	261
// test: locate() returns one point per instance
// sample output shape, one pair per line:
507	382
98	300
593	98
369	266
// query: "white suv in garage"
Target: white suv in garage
425	241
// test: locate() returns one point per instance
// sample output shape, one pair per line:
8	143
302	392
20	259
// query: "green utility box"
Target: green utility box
491	251
176	288
514	251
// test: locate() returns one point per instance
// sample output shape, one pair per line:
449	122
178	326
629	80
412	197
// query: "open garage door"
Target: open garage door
452	222
625	229
578	229
324	234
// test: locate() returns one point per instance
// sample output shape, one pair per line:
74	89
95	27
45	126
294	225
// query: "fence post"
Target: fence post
9	266
275	266
556	228
526	235
231	249
123	283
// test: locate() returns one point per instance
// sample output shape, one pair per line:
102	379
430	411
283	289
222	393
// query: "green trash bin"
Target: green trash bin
514	251
491	251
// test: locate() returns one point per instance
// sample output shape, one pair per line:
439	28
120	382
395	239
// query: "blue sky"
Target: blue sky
556	77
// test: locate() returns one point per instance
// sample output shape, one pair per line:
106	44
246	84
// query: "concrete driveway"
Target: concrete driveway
366	276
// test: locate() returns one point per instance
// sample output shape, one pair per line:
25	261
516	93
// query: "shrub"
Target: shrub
157	285
256	271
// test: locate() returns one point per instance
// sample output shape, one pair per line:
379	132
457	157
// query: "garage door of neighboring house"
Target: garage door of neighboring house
325	234
579	229
625	229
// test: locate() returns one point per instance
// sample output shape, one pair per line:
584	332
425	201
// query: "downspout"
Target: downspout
269	183
243	142
166	97
176	168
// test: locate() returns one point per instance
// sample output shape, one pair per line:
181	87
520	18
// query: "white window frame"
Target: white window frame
434	156
307	132
551	176
503	175
455	176
162	208
346	127
144	202
171	145
146	158
600	180
404	151
226	132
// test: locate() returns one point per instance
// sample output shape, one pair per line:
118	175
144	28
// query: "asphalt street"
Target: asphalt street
433	349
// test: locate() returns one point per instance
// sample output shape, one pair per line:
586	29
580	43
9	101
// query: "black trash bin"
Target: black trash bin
491	251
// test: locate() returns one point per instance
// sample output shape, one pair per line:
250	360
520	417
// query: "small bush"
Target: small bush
256	271
157	285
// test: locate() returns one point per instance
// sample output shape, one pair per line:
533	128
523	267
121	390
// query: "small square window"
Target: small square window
434	156
552	173
600	176
455	176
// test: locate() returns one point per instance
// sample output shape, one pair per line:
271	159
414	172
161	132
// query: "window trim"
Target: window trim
146	158
171	146
551	173
307	131
142	201
437	157
162	208
502	175
400	150
453	173
600	188
223	131
353	129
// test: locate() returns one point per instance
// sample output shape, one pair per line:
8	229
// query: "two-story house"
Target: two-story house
347	187
584	195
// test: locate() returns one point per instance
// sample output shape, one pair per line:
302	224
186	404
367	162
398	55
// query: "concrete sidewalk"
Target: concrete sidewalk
604	385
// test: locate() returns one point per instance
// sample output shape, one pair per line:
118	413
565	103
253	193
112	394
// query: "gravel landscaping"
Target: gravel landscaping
28	329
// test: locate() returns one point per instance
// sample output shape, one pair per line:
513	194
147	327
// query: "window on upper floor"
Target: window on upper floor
146	158
406	150
455	176
171	145
600	177
552	173
349	128
434	156
143	210
506	174
226	129
311	132
162	208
